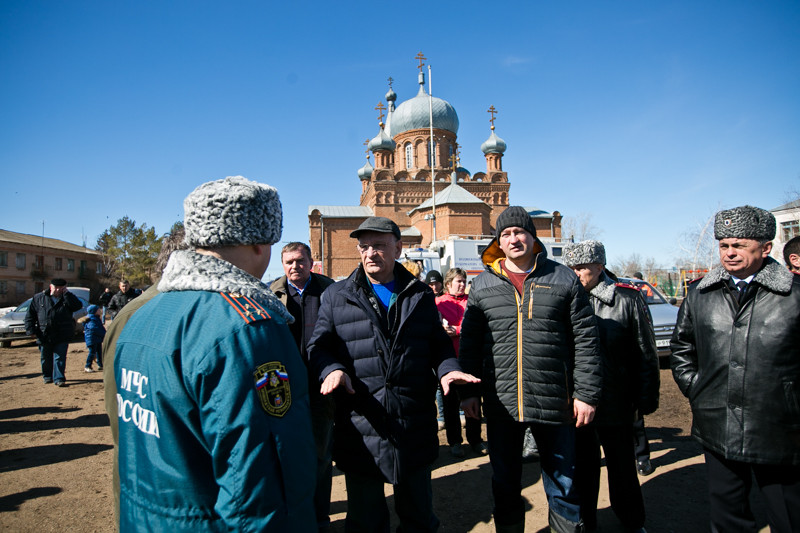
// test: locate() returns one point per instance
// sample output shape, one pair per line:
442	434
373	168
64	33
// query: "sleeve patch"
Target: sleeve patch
272	386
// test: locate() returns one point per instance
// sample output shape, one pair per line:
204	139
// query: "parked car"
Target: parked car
663	311
12	325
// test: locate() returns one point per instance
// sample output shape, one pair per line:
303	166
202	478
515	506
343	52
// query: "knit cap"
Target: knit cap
514	216
584	253
745	222
232	211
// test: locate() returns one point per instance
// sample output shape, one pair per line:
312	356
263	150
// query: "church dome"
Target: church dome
493	145
381	142
415	114
365	172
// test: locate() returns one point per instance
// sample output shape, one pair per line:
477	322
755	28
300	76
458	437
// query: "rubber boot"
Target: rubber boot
559	524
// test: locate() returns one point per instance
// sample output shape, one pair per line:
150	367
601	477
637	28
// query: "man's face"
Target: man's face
436	286
378	252
516	243
57	291
743	257
589	274
296	266
124	286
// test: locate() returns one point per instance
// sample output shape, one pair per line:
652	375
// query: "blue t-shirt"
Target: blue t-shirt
385	293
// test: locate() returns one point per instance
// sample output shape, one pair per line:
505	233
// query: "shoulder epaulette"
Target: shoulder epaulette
248	309
696	279
627	286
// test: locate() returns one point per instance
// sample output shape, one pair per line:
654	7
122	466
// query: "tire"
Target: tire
5	344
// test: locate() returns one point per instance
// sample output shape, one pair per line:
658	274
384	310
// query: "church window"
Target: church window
432	161
409	156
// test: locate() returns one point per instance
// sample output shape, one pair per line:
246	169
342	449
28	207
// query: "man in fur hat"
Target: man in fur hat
529	333
630	386
736	356
212	395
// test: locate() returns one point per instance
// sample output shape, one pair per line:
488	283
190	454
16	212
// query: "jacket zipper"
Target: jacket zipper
519	358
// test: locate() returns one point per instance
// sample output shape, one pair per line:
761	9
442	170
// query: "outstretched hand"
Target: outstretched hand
457	377
334	380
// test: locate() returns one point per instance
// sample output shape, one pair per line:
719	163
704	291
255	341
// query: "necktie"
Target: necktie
742	286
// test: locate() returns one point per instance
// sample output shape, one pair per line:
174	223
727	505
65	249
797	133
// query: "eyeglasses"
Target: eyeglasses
379	247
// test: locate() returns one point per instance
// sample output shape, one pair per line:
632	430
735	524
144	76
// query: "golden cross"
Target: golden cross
366	143
493	111
390	80
454	159
421	59
380	107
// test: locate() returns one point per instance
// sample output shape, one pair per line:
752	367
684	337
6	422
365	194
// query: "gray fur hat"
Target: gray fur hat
232	211
584	253
745	222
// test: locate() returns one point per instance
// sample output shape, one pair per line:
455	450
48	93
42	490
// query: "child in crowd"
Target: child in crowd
94	332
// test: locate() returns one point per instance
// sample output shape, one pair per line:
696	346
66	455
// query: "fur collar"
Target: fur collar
189	271
604	290
772	276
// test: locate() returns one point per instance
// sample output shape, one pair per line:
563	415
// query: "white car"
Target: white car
663	311
12	324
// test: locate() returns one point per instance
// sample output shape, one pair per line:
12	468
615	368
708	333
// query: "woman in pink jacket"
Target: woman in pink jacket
451	307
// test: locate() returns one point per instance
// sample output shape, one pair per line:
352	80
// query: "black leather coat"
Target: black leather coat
740	366
49	322
388	427
533	352
630	360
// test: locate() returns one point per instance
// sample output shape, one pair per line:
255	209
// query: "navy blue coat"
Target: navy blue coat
388	427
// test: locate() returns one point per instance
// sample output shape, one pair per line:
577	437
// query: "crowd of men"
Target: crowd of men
230	399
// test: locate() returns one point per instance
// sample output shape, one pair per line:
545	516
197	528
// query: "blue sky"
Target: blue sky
649	116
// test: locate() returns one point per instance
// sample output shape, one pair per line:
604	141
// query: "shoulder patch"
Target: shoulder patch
272	385
248	309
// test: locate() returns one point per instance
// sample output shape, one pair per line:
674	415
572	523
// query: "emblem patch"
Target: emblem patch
272	385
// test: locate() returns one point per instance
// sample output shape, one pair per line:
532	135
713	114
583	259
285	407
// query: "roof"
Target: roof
535	212
411	232
46	242
790	205
342	211
453	194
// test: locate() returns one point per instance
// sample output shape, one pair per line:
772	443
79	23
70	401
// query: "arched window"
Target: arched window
432	160
409	156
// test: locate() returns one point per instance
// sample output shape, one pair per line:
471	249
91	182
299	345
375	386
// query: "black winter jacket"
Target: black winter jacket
49	322
533	352
121	299
740	366
388	426
628	346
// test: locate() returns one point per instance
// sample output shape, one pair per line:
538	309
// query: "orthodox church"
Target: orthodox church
428	195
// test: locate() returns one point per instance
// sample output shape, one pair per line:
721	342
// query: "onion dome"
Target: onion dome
381	142
493	145
391	96
415	113
365	172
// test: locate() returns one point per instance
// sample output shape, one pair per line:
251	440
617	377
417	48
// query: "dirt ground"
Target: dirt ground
55	462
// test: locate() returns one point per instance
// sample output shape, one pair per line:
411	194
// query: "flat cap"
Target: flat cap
379	225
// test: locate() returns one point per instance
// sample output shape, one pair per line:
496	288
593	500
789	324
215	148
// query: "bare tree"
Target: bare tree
698	247
580	227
